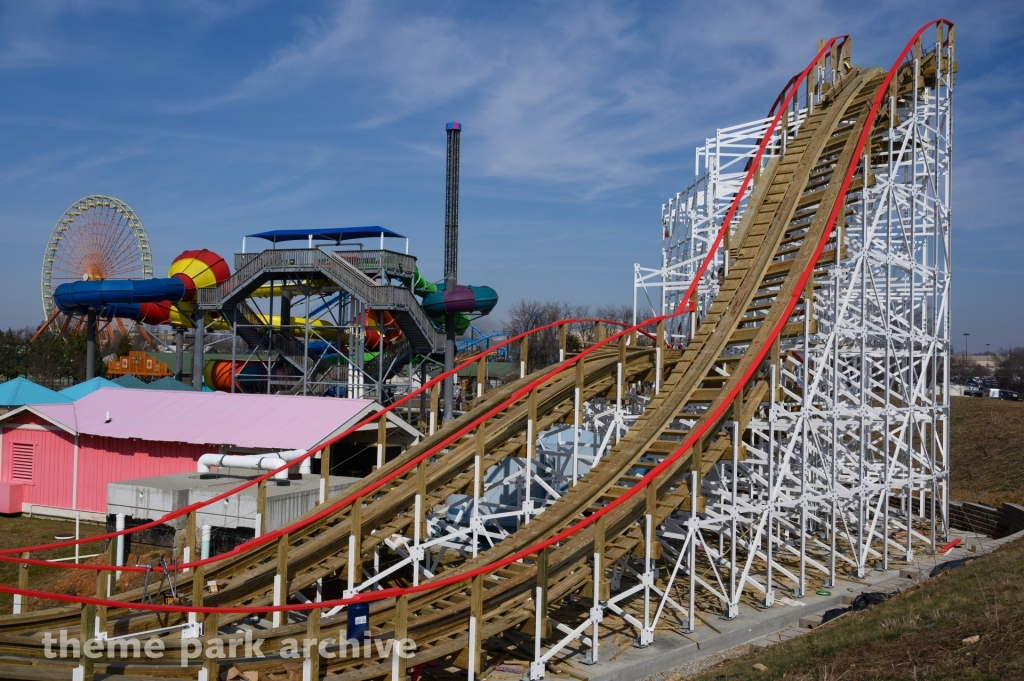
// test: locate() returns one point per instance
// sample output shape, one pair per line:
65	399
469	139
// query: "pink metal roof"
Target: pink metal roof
260	421
62	413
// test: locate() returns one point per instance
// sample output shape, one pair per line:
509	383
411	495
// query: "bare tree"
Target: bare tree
962	369
615	313
579	332
1009	371
527	314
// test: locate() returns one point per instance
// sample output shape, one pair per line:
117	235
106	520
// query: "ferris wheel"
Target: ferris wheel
97	237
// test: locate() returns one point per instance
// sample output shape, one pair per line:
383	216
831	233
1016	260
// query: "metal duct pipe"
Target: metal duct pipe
257	462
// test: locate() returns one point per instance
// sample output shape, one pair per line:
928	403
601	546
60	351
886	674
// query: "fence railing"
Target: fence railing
391	262
348	268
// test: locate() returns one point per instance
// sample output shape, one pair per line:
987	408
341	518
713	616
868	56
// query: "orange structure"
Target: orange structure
138	364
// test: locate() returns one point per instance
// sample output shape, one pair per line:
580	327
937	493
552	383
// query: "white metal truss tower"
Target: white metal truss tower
845	468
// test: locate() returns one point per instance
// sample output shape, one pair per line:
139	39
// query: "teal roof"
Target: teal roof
129	381
21	391
90	386
168	383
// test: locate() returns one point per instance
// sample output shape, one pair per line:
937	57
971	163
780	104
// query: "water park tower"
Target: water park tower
335	316
451	254
331	317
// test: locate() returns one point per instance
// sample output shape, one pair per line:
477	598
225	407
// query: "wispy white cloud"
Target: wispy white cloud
19	54
579	95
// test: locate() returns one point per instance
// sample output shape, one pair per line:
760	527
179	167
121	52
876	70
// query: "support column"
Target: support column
769	593
423	398
650	518
417	552
659	345
433	408
261	508
210	665
524	356
197	352
198	593
577	420
22	584
311	665
531	453
693	533
206	534
90	345
732	609
102	594
355	548
478	484
325	473
481	376
190	539
119	555
596	611
401	632
476	616
179	353
87	633
281	581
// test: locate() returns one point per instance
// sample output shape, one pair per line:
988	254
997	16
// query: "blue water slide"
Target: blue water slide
330	303
482	339
116	295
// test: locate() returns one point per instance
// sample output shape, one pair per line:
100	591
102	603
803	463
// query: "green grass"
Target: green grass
21	531
986	445
916	635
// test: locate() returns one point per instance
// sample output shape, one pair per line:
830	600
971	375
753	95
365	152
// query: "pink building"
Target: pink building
56	459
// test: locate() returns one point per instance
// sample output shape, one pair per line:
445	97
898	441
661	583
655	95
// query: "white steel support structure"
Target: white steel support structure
844	467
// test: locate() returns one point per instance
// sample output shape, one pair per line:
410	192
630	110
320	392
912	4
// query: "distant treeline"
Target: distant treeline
543	346
50	360
1008	371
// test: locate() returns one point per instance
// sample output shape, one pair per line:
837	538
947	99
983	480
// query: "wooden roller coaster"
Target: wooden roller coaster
536	577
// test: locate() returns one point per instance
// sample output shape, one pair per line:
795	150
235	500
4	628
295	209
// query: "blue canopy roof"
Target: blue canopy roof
90	386
129	381
21	391
335	234
168	383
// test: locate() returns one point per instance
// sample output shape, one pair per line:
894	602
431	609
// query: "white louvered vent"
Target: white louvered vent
22	461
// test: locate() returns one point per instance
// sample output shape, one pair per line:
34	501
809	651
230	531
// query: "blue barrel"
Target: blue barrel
358	621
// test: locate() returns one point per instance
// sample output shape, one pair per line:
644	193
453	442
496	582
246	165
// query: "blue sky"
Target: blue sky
218	119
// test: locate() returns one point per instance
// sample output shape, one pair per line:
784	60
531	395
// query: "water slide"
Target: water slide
138	299
460	301
479	340
151	301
